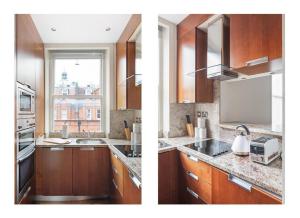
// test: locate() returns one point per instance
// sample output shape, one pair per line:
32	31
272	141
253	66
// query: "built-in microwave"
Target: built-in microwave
25	101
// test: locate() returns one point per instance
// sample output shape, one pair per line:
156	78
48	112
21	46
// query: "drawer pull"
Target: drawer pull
87	149
194	194
243	184
115	170
257	61
193	158
57	149
134	180
192	175
115	155
116	187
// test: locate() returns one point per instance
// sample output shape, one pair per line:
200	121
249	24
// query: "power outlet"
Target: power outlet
203	114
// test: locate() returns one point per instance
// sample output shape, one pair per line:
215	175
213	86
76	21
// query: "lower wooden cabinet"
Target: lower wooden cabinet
226	191
54	171
124	190
168	177
195	180
91	171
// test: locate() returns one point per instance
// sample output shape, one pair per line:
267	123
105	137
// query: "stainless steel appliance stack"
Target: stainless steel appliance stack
25	139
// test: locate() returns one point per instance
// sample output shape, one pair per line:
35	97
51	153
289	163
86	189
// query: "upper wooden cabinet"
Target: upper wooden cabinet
253	36
128	93
29	51
191	55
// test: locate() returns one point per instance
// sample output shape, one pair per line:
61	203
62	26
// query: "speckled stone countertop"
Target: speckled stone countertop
268	177
134	164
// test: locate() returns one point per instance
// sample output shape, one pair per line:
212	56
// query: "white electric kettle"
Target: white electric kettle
241	144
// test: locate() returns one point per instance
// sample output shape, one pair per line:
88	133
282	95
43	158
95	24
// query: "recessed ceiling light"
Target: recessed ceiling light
107	29
53	29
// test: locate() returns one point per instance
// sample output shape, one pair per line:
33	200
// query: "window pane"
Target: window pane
77	95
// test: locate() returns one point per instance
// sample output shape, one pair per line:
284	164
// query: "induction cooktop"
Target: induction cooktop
130	150
211	147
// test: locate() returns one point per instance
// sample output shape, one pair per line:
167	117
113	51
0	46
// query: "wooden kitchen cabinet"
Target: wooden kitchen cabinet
168	177
132	191
195	179
191	55
226	192
253	36
28	47
91	171
54	171
128	95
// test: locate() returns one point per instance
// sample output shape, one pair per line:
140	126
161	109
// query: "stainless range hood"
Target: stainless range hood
218	53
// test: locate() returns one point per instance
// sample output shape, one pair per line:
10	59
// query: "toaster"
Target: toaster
264	150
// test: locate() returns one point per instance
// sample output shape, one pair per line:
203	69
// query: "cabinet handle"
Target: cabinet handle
243	184
57	149
192	175
257	61
115	155
134	180
115	170
193	158
186	101
194	194
116	187
87	149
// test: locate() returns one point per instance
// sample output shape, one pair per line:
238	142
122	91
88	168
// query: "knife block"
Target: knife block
127	133
190	129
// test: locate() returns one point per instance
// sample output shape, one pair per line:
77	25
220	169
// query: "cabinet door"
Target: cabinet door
91	173
253	37
132	191
186	67
27	39
54	171
204	86
121	75
228	192
133	91
168	177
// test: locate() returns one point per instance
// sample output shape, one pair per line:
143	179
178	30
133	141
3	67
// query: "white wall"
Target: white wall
248	101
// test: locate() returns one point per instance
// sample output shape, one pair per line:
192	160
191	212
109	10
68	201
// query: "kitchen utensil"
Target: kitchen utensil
241	144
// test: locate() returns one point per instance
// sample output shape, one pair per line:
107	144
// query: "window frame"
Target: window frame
76	54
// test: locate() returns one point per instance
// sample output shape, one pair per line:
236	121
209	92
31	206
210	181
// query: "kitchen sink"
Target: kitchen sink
162	144
91	141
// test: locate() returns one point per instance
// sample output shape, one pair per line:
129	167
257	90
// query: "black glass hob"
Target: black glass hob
130	150
210	147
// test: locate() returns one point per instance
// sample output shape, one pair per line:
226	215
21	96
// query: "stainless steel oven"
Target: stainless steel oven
25	101
25	172
25	140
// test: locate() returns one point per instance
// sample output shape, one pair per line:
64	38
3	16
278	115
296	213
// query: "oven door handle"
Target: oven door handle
26	156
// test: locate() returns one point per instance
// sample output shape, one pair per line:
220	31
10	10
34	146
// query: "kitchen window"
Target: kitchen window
76	91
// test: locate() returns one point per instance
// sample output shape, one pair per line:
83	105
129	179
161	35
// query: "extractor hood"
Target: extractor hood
218	53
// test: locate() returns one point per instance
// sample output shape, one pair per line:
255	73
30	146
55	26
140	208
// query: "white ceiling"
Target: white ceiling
80	28
174	18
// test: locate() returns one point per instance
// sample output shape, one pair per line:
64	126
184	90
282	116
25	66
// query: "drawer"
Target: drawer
117	173
192	164
201	188
191	196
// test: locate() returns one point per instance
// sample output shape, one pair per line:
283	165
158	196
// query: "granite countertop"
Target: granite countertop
268	177
134	164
